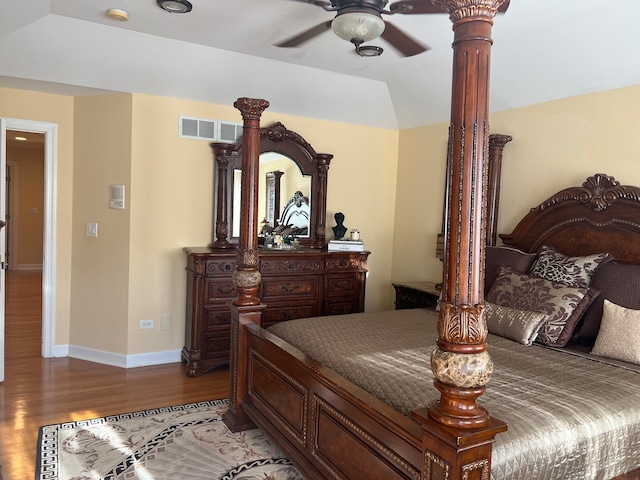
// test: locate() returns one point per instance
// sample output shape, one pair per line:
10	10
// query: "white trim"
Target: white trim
50	131
123	361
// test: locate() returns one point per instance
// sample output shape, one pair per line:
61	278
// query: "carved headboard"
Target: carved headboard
599	216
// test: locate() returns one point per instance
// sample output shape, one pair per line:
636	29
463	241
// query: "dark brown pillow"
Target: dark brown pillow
495	257
562	304
617	283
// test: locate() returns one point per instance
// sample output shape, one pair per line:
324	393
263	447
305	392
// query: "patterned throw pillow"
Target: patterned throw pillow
619	336
519	325
502	256
572	271
562	304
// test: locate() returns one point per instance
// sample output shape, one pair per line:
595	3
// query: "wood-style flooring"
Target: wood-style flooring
39	391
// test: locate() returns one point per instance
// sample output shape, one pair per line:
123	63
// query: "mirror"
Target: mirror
283	197
292	192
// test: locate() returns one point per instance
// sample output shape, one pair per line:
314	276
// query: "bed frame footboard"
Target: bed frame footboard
329	428
322	421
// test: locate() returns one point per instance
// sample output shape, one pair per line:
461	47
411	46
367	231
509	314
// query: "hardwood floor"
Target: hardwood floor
39	391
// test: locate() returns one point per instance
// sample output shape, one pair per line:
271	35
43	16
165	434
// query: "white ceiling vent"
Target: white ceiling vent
229	132
201	128
209	129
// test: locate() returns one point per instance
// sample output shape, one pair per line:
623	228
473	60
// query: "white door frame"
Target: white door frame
50	131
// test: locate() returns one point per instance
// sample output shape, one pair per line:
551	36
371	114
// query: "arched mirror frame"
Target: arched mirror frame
275	138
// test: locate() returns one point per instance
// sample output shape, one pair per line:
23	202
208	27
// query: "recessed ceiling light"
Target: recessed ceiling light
118	14
21	139
174	6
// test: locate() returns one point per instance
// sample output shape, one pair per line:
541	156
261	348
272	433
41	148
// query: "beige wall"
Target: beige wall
27	193
56	109
555	145
100	265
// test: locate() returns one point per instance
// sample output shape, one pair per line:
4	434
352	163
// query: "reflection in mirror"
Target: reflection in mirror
282	177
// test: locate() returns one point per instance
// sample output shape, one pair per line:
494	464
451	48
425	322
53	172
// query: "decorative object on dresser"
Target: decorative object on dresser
304	280
416	295
345	246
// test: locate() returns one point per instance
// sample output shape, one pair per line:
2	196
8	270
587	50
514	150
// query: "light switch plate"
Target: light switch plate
92	229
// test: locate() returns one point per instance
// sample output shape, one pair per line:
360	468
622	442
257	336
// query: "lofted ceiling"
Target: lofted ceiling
223	49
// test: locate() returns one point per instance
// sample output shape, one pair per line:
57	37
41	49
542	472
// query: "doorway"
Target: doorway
49	130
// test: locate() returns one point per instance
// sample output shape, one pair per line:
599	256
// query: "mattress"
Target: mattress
569	416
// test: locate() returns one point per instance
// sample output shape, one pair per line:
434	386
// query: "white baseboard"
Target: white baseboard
116	359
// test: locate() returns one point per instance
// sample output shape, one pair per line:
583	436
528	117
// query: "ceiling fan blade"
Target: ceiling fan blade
305	36
326	4
425	6
402	42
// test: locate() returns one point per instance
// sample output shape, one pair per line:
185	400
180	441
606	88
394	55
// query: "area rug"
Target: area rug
185	442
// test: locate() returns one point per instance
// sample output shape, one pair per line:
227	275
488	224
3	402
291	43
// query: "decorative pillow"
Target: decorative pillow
572	271
495	257
562	304
519	325
617	283
619	335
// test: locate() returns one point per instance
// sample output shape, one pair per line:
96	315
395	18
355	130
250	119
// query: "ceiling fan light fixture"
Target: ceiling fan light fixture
369	51
366	26
175	6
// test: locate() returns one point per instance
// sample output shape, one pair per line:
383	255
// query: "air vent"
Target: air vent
229	132
209	129
201	128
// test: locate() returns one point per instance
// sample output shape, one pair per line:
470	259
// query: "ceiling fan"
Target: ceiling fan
360	21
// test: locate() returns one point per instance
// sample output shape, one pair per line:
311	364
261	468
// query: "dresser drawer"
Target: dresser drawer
297	287
280	313
224	266
219	290
342	306
216	345
341	285
273	266
216	318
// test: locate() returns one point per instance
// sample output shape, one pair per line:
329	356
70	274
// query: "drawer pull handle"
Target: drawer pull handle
290	289
225	291
341	285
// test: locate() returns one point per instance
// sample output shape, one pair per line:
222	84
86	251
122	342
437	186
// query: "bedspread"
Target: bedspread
569	417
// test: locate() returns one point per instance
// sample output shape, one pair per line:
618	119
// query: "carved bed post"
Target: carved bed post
496	146
222	155
460	363
246	307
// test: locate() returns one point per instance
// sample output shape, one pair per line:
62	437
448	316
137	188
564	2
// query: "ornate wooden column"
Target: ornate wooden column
222	155
322	161
496	146
246	307
459	432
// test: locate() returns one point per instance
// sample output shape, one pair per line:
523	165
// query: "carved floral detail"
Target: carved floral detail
462	9
248	257
597	193
462	324
251	108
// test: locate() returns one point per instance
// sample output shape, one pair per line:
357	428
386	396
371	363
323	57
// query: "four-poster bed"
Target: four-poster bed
330	427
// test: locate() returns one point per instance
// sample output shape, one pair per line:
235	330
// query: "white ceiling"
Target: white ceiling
223	49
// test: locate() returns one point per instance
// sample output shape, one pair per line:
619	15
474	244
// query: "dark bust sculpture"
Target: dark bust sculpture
339	230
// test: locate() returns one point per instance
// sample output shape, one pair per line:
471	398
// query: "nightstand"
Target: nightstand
416	295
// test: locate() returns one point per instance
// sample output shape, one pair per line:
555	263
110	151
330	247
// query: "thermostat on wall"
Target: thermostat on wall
116	196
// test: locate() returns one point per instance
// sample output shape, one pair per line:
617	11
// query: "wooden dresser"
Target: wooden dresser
295	284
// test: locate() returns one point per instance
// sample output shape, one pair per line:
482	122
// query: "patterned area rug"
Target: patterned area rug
186	442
